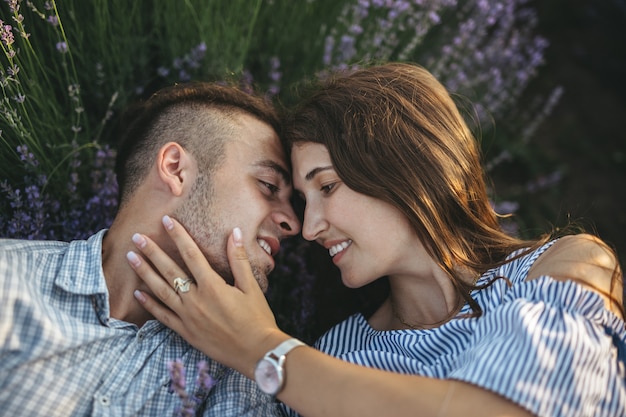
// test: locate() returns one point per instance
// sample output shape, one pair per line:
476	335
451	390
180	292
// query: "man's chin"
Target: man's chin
259	276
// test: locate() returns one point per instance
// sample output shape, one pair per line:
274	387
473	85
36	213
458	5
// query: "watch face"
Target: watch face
267	376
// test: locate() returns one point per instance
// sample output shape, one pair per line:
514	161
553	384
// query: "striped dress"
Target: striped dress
549	346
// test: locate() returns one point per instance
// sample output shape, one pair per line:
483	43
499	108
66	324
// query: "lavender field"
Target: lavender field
541	83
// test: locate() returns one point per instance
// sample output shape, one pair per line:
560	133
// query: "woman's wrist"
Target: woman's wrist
268	342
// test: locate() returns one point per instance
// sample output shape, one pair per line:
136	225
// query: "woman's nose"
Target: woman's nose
314	224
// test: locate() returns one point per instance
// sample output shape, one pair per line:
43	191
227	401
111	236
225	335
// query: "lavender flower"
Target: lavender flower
163	71
27	156
187	64
62	47
177	375
6	34
204	382
275	76
13	70
178	385
53	20
13	5
34	212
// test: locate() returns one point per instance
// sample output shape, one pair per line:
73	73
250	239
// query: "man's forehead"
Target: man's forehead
277	167
259	149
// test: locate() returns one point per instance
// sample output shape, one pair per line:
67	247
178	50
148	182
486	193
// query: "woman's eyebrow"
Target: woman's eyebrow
276	167
312	173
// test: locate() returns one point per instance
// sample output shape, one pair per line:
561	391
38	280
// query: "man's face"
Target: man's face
251	189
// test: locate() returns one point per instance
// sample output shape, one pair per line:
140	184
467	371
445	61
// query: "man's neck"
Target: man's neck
121	279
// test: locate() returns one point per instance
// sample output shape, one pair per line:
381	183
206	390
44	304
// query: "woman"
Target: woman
476	322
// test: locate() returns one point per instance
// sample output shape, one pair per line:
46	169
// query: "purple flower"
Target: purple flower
62	47
27	156
275	75
204	383
204	380
13	5
434	17
6	34
184	75
177	376
53	20
163	71
356	29
13	70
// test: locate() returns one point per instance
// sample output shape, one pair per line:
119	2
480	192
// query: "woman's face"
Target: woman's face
367	238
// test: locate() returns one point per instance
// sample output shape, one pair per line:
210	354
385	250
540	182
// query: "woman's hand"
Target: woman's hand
232	324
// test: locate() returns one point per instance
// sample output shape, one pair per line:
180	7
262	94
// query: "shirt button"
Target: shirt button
141	336
105	401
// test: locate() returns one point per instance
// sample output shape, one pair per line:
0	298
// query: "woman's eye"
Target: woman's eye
327	188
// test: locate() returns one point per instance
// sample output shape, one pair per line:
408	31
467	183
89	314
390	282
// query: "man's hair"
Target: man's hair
198	116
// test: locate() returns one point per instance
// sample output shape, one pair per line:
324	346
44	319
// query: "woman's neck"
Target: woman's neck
418	302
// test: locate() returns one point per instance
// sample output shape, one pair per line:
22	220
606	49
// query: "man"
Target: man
73	340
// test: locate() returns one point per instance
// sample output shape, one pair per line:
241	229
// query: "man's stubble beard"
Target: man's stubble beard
209	232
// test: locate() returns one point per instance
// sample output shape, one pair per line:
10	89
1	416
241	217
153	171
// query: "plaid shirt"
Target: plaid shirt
61	354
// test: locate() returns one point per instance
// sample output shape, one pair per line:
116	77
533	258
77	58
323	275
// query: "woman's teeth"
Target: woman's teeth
334	250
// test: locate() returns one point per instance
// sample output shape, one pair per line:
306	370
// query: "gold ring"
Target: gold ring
182	284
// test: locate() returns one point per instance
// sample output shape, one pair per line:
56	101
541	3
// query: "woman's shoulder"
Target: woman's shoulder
581	257
586	260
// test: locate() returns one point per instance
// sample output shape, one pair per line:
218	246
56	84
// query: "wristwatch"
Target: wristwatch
269	373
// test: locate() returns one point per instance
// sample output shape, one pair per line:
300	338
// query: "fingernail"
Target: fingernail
167	222
139	296
237	237
133	259
139	240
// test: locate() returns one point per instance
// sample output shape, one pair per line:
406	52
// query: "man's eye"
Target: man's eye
273	188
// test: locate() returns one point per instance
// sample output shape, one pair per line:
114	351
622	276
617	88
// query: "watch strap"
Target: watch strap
285	347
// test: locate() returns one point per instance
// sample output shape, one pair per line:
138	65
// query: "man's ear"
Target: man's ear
175	167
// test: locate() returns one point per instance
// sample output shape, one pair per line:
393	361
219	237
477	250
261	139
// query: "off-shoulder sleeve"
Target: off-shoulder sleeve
551	347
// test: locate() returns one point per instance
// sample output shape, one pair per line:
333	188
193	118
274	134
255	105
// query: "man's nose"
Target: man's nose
286	218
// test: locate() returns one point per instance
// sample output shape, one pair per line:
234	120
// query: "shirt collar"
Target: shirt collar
81	269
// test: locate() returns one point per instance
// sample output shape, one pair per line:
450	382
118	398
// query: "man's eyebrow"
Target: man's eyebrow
309	176
279	169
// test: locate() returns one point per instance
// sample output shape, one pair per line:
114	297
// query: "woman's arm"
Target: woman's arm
234	325
320	385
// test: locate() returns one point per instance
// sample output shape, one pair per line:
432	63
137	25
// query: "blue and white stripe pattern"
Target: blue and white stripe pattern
62	355
549	346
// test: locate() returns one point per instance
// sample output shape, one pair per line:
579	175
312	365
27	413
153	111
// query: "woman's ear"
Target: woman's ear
175	167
